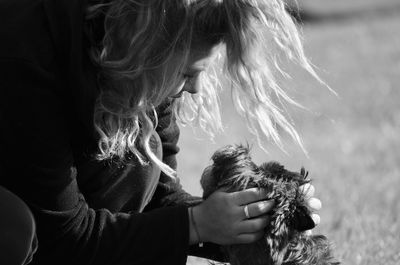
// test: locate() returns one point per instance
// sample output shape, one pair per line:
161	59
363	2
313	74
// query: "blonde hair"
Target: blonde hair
145	38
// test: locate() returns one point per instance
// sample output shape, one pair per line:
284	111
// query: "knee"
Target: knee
17	228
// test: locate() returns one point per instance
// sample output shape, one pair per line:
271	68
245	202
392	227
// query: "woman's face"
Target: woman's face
198	61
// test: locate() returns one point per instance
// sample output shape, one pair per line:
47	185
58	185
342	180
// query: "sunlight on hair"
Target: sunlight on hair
146	48
202	109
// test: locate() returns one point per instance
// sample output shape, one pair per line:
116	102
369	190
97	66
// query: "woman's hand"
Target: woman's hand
313	203
222	219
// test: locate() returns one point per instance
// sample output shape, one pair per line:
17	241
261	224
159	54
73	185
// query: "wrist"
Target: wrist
195	236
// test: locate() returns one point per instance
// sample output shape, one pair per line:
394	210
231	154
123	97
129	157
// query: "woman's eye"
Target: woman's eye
186	76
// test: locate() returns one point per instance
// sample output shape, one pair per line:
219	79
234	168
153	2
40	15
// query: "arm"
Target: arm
170	192
38	165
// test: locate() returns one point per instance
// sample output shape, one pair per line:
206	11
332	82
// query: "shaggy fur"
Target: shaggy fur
284	242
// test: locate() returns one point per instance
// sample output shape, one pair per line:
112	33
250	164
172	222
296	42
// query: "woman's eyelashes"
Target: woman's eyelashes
187	76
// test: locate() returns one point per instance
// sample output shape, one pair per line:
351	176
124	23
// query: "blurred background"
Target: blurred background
353	140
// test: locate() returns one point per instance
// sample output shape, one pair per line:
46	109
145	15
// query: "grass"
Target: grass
353	141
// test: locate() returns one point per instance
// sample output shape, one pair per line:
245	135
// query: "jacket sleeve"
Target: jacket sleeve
37	164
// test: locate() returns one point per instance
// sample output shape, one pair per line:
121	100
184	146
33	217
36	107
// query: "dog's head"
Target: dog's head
284	241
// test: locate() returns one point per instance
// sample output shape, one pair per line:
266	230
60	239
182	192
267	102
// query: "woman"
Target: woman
90	95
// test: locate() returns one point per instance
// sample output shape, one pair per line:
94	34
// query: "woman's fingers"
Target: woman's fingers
248	238
308	190
253	225
316	218
257	208
314	204
244	197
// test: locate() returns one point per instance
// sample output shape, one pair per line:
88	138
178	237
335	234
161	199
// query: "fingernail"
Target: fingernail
305	187
308	190
308	232
266	205
315	204
316	218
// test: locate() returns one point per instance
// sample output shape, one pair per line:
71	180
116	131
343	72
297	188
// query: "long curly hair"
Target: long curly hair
144	39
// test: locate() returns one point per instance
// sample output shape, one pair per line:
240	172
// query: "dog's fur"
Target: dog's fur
284	241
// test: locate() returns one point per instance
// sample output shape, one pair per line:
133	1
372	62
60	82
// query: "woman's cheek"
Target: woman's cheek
178	91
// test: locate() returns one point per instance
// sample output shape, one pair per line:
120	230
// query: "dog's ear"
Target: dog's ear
272	169
277	171
232	169
208	182
231	155
303	173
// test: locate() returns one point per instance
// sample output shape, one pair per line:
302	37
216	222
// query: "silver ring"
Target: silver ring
246	211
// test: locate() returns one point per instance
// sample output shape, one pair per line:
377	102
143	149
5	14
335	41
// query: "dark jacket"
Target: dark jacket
87	212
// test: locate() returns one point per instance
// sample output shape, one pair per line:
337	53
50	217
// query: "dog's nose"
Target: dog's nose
301	219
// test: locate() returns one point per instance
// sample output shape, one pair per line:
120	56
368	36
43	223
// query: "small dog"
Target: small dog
284	241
